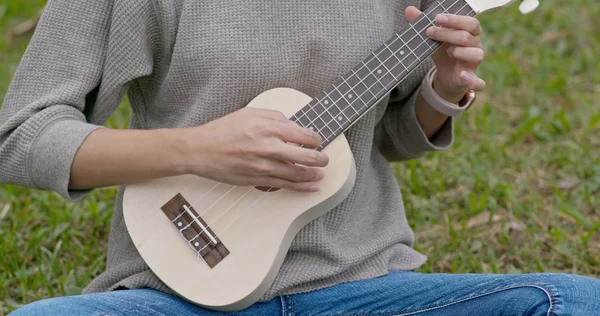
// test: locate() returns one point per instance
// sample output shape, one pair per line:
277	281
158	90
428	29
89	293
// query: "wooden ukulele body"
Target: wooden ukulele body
256	227
241	234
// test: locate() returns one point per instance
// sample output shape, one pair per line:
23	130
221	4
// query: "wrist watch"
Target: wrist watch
441	105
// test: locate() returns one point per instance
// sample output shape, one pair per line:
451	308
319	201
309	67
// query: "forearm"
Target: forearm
431	120
247	147
112	157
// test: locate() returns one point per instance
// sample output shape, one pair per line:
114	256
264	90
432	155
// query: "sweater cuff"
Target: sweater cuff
406	132
52	156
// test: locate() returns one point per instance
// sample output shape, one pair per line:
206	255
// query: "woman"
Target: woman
189	68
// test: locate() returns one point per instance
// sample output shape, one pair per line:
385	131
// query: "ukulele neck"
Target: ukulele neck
334	110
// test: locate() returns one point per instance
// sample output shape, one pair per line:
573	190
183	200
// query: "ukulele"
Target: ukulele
206	240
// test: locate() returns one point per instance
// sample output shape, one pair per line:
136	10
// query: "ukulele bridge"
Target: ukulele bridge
194	230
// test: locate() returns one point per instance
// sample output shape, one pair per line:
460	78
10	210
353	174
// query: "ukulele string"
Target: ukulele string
440	4
364	65
205	194
210	206
243	212
424	16
367	90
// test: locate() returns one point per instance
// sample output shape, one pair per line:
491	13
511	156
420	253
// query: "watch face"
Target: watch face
468	100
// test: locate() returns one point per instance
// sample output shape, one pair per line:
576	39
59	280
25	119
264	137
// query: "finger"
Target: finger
270	114
471	81
459	22
291	185
454	37
304	156
411	13
294	133
472	55
296	173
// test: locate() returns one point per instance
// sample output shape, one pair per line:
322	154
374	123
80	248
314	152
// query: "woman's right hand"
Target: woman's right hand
255	147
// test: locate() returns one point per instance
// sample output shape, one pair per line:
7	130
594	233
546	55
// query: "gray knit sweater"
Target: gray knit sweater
185	63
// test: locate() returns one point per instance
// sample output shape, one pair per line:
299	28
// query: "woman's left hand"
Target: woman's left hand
459	56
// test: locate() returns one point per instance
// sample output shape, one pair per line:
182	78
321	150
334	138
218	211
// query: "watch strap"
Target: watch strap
438	103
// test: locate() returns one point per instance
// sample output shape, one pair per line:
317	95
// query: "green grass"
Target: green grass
519	192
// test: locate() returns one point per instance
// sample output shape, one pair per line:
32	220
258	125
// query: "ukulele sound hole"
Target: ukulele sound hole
267	189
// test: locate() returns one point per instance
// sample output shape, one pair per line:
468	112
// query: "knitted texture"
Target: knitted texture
185	63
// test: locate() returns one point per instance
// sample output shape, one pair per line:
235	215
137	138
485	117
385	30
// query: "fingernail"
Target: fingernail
441	18
451	51
313	188
430	31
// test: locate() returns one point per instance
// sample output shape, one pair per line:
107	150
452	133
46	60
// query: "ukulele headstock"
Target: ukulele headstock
481	6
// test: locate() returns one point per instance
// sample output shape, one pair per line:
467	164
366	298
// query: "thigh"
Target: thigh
410	293
132	302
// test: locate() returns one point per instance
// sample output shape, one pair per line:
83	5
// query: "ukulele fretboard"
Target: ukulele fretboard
336	109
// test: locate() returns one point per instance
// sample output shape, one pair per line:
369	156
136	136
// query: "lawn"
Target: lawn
519	192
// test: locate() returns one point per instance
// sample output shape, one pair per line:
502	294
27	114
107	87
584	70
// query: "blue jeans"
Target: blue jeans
398	293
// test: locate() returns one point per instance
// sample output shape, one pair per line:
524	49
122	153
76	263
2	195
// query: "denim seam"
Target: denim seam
293	311
283	311
551	298
287	305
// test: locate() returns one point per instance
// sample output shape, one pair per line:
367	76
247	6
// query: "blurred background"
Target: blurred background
518	193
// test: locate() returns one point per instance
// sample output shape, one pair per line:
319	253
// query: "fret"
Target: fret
334	95
396	46
466	10
420	33
446	10
363	96
410	40
455	7
330	107
416	46
318	108
348	110
326	132
343	89
318	124
437	9
422	24
409	57
357	91
398	59
378	71
357	88
384	75
341	86
326	117
311	114
429	19
303	119
389	61
422	50
372	82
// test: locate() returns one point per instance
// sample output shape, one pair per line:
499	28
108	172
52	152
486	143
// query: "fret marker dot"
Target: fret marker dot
197	244
401	52
350	96
179	224
326	102
339	118
379	71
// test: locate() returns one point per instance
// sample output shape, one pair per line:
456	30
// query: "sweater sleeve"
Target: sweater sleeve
399	135
47	112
